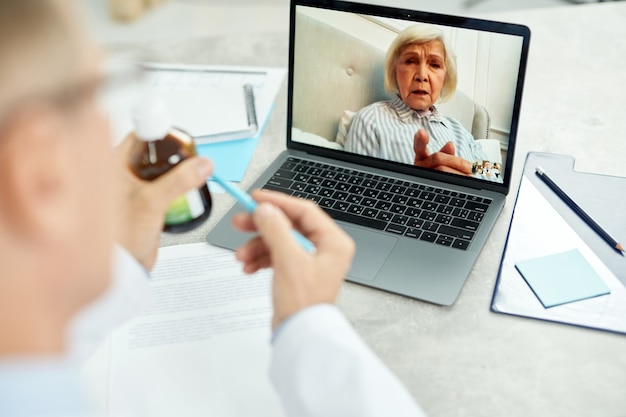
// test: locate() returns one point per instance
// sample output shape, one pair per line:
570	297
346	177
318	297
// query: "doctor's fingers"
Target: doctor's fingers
255	254
311	221
254	262
190	174
244	222
121	151
253	251
277	234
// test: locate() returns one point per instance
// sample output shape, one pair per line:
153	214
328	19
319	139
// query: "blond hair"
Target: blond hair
416	35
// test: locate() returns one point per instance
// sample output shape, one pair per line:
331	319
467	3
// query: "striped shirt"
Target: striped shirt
386	129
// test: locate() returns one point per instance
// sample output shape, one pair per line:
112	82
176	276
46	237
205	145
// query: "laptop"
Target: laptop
419	220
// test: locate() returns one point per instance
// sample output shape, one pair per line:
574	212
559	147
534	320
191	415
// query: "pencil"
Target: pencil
581	213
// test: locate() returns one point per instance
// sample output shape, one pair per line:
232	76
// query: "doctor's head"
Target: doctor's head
420	67
55	215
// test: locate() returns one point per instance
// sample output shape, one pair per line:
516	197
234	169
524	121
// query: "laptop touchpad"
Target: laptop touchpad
372	249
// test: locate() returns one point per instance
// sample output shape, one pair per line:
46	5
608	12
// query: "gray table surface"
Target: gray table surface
465	360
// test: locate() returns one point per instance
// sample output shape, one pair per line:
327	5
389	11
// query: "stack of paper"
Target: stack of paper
203	348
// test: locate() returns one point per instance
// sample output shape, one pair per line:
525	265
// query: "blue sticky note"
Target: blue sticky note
562	278
230	158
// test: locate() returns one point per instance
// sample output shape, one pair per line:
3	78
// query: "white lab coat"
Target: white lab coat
321	368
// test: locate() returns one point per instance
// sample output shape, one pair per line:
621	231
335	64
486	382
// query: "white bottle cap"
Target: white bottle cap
152	118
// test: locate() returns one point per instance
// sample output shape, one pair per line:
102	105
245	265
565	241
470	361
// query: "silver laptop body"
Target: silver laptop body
418	231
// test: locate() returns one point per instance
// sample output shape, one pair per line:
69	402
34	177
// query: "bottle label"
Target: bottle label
185	208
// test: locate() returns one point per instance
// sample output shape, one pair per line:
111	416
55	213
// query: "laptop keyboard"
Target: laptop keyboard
431	214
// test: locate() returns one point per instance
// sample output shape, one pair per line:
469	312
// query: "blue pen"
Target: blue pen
250	205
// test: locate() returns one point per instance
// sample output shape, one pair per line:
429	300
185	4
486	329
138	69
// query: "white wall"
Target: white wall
488	65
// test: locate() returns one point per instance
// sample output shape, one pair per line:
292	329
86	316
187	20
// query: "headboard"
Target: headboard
329	80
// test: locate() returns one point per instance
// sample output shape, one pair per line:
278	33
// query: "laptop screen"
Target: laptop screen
419	91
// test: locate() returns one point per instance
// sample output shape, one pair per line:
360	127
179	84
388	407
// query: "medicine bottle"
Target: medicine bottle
157	148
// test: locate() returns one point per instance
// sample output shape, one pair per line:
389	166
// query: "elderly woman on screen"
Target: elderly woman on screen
421	69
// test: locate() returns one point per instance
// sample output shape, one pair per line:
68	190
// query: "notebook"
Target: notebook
213	104
210	109
351	144
214	113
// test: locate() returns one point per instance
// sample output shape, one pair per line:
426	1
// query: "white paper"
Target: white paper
538	230
206	111
203	347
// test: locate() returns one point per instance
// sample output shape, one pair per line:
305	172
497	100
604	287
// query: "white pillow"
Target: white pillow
344	127
312	139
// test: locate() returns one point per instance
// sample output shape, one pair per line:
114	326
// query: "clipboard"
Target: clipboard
543	224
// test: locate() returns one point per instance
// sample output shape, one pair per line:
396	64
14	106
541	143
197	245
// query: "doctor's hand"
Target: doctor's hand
444	160
141	205
301	279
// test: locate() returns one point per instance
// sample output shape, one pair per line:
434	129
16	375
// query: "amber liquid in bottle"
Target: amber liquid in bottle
150	160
